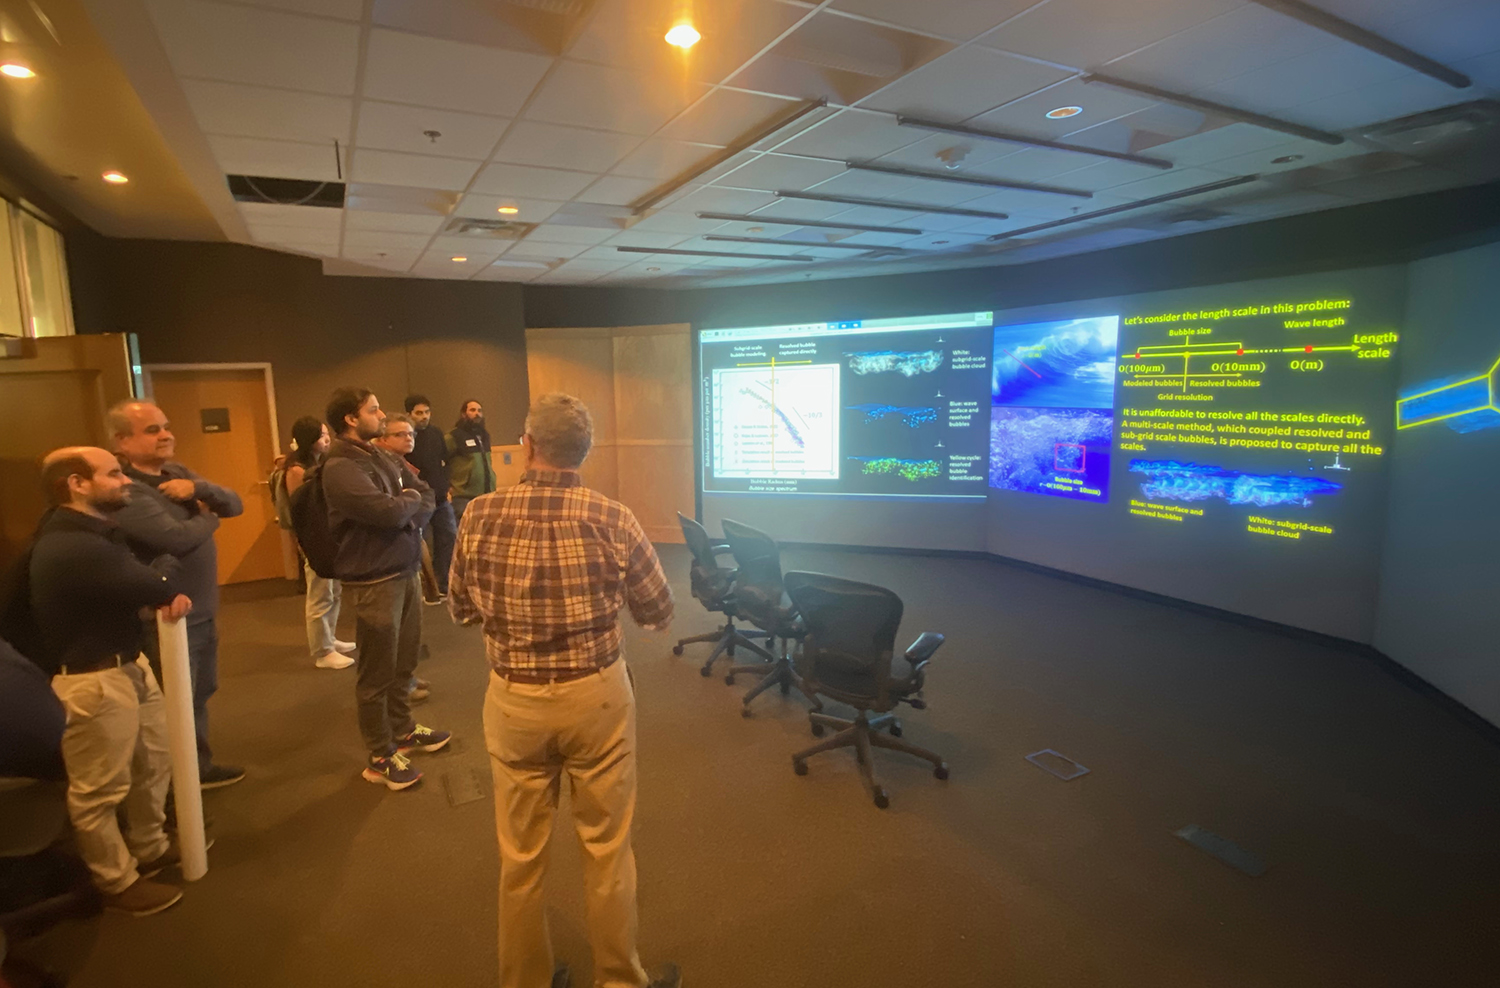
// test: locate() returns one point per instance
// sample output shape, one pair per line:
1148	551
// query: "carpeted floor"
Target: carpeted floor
1376	809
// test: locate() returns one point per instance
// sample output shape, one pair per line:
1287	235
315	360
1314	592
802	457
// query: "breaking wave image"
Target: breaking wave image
909	363
1065	364
912	416
1170	480
1063	452
913	470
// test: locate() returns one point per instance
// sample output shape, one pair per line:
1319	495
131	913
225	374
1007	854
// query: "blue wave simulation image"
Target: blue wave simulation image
912	416
908	363
1064	364
1062	452
1170	480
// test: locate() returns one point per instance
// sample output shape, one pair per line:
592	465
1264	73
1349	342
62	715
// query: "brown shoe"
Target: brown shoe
143	898
170	858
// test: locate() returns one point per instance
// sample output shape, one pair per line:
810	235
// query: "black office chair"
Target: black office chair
713	586
761	599
849	639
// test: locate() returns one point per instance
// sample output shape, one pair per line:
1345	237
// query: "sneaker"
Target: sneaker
666	976
423	739
441	598
333	660
417	695
170	858
395	771
143	898
219	776
346	647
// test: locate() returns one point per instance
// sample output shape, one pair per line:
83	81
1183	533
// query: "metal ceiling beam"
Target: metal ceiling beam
804	243
993	183
1037	142
1232	112
747	140
896	204
712	253
825	224
1196	190
1368	40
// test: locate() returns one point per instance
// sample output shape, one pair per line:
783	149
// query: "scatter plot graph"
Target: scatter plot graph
776	421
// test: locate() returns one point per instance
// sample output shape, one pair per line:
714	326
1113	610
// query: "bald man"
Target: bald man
87	592
175	512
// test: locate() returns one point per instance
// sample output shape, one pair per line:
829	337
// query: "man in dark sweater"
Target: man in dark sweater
87	590
173	511
376	509
430	457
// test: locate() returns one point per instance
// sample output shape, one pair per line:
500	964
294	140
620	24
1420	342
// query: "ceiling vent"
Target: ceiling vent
286	191
490	229
1438	131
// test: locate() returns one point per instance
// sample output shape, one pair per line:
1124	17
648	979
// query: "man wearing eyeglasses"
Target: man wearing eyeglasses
399	439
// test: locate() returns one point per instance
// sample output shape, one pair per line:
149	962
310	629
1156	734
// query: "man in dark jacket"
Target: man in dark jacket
376	509
470	467
86	591
430	457
173	511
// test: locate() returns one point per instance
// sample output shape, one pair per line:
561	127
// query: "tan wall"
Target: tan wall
637	383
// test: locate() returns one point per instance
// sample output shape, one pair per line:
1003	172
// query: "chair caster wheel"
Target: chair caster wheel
745	713
728	680
941	771
881	799
676	649
786	688
817	730
799	767
705	672
895	730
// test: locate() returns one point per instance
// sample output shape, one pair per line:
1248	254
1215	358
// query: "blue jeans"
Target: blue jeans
441	533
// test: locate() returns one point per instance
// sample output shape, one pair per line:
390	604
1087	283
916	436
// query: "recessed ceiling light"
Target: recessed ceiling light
508	210
684	36
459	259
936	242
1286	159
115	178
1064	112
756	229
17	71
653	269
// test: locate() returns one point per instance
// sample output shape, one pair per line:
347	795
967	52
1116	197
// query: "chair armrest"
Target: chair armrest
922	649
720	548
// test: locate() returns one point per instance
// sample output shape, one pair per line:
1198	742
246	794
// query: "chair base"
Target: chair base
726	640
862	733
778	672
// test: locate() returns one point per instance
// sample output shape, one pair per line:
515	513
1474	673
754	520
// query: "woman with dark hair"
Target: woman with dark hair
309	443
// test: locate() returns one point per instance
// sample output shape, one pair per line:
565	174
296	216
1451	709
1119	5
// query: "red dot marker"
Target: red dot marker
1240	351
1308	349
1137	355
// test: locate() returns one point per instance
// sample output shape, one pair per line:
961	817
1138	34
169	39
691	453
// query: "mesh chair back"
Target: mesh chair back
710	581
851	633
758	557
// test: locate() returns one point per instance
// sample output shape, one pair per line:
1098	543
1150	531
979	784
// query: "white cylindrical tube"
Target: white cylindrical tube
182	738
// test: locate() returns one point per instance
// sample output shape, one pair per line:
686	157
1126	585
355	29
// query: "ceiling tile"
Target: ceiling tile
924	153
1242	40
280	234
531	143
770	172
240	44
357	219
513	26
1028	115
942	241
405	68
500	271
395	127
675	222
852	134
275	159
628	34
385	240
348	10
1358	108
965	82
717	200
531	182
660	159
307	217
1214	145
726	115
531	247
959	20
395	168
233	110
647	238
478	206
1307	153
1087	33
469	245
1301	79
1446	30
1163	183
618	190
399	199
558	233
607	98
398	260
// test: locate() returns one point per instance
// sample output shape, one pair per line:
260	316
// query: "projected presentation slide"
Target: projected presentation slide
879	407
1052	406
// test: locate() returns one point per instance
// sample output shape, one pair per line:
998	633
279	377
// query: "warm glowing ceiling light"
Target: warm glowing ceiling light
115	178
509	210
459	260
1064	112
683	36
17	71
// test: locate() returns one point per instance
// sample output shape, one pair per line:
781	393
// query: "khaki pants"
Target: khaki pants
115	750
536	733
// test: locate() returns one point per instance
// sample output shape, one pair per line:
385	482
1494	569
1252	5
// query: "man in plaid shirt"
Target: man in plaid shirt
546	566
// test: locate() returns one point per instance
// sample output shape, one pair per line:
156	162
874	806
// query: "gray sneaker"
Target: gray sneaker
143	898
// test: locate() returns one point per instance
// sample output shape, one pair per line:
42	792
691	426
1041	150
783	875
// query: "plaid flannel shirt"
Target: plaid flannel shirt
547	565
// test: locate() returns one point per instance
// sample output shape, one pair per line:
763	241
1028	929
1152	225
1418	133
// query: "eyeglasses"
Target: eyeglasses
404	434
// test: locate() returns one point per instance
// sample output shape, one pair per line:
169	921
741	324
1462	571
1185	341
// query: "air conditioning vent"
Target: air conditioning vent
286	191
1425	133
492	229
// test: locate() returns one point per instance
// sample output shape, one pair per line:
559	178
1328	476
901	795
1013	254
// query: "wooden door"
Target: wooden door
238	457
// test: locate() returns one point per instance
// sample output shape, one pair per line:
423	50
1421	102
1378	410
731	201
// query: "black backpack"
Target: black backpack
309	510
